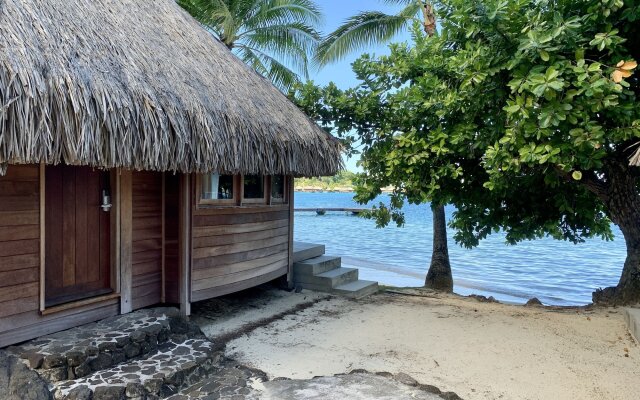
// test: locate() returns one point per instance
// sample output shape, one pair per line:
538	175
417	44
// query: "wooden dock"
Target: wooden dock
324	210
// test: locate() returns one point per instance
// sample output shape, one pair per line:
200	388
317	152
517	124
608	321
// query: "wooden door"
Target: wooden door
77	234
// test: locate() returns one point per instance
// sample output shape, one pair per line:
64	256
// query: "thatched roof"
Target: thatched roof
140	84
635	158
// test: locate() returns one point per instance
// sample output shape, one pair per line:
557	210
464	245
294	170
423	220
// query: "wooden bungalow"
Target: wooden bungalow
141	163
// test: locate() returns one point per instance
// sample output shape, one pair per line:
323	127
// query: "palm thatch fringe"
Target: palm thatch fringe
139	84
635	158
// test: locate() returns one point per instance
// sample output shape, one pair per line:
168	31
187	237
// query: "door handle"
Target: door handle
106	201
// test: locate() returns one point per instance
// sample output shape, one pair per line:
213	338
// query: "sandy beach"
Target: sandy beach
476	349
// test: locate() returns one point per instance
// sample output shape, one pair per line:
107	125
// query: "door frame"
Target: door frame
114	250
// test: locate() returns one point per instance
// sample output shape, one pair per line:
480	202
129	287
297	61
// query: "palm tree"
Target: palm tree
275	37
369	28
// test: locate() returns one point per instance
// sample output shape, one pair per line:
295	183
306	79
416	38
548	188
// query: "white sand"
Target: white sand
478	350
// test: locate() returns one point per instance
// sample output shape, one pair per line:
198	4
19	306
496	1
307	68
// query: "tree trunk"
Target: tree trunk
439	276
623	206
429	23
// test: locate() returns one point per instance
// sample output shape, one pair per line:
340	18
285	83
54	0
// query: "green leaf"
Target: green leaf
594	67
544	55
577	175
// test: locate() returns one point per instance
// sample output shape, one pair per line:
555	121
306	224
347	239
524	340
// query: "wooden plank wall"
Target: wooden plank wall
19	240
172	229
20	317
237	248
147	239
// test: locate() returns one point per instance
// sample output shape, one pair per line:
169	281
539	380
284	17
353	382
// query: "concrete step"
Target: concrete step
357	289
329	280
304	251
632	318
173	367
315	266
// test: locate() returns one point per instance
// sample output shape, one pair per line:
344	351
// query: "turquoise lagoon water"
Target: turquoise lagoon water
556	272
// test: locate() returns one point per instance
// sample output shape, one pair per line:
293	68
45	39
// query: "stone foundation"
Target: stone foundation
80	351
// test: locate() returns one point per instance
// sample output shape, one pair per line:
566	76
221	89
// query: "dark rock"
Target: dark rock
80	393
385	374
359	371
55	374
152	330
608	296
212	386
430	389
168	390
181	351
145	347
82	370
35	360
153	342
75	358
53	361
405	379
92	351
107	347
132	350
18	382
450	396
178	337
227	391
179	325
175	379
134	390
102	361
108	393
484	299
153	386
138	336
118	357
533	302
71	373
122	341
194	330
163	335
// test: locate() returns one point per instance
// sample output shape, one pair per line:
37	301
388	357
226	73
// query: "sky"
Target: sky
336	11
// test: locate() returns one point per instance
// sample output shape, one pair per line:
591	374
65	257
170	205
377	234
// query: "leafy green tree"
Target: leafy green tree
521	114
374	27
275	37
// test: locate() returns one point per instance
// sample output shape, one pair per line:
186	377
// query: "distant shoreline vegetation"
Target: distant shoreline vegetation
340	183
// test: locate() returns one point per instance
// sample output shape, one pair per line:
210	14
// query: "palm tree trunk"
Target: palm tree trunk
439	276
429	16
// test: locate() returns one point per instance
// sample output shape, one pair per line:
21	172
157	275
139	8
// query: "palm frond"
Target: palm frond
358	32
275	37
282	11
401	2
290	43
279	74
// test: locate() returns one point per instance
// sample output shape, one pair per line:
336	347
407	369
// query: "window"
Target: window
253	189
217	187
278	189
